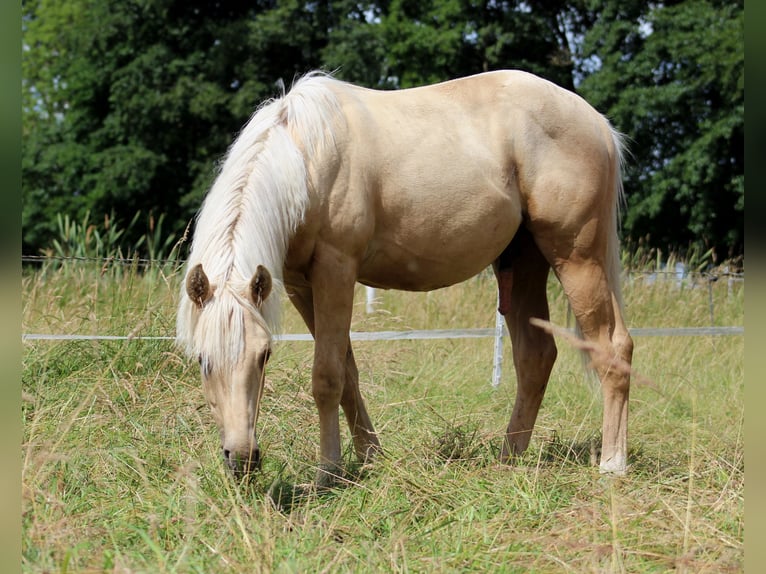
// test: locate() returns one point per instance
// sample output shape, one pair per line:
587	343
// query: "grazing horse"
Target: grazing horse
415	189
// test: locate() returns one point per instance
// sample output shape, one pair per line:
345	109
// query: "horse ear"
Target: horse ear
260	285
198	287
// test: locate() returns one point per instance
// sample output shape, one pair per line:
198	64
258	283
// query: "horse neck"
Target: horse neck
254	207
261	196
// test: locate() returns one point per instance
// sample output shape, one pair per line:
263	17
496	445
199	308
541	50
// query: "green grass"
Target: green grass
121	469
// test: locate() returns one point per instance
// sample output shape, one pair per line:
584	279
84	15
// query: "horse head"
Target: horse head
233	388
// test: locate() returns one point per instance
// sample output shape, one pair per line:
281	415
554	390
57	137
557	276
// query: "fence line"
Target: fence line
477	333
126	261
679	274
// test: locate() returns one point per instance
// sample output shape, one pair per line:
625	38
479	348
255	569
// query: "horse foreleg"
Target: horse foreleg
366	444
332	279
534	351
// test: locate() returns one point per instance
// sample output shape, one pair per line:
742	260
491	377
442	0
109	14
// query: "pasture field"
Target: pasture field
121	470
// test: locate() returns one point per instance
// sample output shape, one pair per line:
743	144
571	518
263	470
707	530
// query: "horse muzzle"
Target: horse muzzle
242	463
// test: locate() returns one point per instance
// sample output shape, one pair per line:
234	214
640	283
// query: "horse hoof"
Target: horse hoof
328	476
616	466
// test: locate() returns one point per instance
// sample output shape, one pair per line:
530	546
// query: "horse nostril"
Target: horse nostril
241	464
231	461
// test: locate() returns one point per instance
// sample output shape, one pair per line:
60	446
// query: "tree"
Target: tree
435	40
129	105
671	76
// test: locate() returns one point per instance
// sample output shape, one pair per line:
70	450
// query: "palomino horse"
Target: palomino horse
414	189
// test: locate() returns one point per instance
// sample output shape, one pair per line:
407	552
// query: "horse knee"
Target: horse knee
327	385
326	392
623	345
617	380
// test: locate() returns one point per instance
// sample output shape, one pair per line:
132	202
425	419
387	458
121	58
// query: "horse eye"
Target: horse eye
206	366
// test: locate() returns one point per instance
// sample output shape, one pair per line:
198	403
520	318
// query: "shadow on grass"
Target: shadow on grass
586	452
452	445
463	444
287	492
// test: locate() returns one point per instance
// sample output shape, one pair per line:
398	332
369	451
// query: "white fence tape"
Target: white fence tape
498	333
404	335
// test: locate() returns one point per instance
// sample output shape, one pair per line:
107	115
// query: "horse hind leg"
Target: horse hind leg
591	285
534	351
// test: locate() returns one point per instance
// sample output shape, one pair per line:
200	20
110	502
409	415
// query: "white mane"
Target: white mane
249	215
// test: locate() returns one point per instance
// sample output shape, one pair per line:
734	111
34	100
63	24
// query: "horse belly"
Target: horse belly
420	245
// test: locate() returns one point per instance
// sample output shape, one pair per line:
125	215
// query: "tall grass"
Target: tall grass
121	469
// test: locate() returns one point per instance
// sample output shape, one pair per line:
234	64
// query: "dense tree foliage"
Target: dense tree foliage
127	106
672	79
